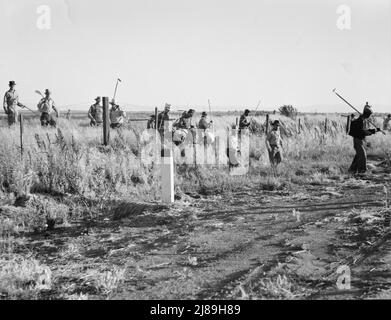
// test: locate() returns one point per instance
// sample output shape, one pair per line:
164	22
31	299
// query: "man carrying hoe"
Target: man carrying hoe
359	132
274	143
11	101
117	115
45	106
386	123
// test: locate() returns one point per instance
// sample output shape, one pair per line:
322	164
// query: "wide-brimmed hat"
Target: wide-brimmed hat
112	102
246	111
97	99
191	111
167	106
204	114
275	123
12	83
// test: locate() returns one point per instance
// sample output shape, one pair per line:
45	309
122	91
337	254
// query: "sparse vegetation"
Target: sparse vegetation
288	111
67	183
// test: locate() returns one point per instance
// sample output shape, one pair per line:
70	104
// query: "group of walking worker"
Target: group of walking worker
47	109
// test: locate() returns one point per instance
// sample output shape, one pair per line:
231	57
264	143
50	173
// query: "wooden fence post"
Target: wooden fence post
167	165
21	135
299	126
325	126
267	123
348	125
157	136
216	146
106	123
156	119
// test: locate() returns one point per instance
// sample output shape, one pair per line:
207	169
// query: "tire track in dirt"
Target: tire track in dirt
318	212
365	282
203	249
287	210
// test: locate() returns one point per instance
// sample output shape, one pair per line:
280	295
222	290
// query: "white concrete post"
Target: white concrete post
167	165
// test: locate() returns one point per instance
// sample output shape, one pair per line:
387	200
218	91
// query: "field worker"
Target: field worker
45	106
151	122
163	117
244	123
185	121
273	144
117	115
11	101
204	124
68	116
178	123
386	123
358	132
96	113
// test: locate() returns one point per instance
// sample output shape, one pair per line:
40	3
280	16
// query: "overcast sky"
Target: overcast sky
233	52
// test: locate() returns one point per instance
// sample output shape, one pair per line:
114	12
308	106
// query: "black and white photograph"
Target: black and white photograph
203	151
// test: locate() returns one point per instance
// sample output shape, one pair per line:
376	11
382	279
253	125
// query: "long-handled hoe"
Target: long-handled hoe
334	90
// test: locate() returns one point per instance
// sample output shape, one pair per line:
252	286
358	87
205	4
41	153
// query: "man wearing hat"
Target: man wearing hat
151	122
45	106
273	144
185	122
359	132
244	123
203	124
162	117
386	123
117	115
95	113
11	101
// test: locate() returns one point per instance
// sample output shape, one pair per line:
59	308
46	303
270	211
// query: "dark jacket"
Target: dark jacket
243	122
203	124
163	116
358	130
185	121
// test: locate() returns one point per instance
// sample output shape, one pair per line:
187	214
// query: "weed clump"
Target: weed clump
22	278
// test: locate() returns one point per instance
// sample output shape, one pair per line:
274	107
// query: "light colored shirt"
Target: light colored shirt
11	100
96	112
46	105
386	123
117	116
274	138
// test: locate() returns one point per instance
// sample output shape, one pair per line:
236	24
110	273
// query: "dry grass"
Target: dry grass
23	278
68	174
72	160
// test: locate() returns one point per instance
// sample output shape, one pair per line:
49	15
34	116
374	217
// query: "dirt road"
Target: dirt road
248	244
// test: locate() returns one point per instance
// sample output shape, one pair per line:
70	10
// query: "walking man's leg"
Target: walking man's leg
362	158
278	157
354	166
11	118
